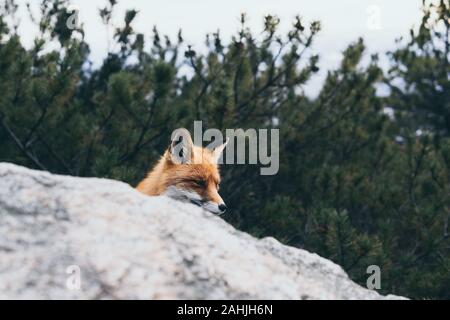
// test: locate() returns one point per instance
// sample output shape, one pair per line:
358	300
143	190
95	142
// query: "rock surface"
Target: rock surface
77	238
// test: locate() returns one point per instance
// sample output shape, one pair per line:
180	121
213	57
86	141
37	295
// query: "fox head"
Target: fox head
190	173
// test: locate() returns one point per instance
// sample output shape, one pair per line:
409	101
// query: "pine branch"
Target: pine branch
20	145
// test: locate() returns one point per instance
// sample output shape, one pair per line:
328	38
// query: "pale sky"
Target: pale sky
379	22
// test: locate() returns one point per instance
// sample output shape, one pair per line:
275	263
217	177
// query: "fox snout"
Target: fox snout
216	205
217	208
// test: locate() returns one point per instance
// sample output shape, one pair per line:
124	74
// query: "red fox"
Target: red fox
188	173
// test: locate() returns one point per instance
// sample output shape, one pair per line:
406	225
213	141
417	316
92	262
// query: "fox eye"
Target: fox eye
201	183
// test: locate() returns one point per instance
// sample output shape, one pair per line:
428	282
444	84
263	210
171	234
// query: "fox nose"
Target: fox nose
222	207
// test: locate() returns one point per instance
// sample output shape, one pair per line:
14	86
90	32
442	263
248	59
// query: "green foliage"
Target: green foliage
355	185
420	74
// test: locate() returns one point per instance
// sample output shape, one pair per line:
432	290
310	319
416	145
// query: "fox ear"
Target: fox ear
217	152
180	149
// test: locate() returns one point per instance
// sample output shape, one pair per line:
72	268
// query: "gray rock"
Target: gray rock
56	230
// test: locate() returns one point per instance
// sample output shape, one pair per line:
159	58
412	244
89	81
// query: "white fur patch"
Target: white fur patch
193	197
212	207
182	194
